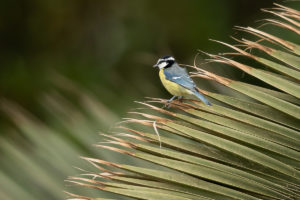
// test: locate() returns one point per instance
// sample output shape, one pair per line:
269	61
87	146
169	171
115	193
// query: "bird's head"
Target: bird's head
164	62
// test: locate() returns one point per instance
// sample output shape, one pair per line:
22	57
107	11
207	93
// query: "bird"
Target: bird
176	80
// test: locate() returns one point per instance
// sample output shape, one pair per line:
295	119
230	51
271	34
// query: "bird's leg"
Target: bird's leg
168	105
180	98
170	100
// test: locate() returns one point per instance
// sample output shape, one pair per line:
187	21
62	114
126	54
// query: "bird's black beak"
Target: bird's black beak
155	65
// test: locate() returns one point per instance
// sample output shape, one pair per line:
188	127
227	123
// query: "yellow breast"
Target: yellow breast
172	87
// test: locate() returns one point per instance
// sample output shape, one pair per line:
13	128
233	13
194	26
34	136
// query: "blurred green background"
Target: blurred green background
77	66
107	46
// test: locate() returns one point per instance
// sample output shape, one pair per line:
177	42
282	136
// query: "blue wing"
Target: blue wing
202	98
180	76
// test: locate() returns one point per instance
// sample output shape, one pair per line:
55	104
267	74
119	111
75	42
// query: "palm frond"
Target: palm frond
235	149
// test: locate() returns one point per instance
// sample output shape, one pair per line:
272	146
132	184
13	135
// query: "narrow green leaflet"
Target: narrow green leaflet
280	68
212	174
259	110
173	187
252	130
249	178
256	121
148	194
282	84
287	58
276	94
183	179
240	162
268	99
237	149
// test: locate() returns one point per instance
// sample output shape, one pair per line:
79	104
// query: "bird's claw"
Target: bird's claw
168	104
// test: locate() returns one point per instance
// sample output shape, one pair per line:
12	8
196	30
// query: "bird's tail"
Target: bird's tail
201	97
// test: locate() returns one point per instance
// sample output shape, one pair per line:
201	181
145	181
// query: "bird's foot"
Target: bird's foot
168	104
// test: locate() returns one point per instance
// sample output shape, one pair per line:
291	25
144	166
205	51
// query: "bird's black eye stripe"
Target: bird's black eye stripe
169	63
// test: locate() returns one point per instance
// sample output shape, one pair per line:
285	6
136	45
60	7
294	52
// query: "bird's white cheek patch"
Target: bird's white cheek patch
162	65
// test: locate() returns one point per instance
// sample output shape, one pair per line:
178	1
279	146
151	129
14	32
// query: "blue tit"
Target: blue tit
176	79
